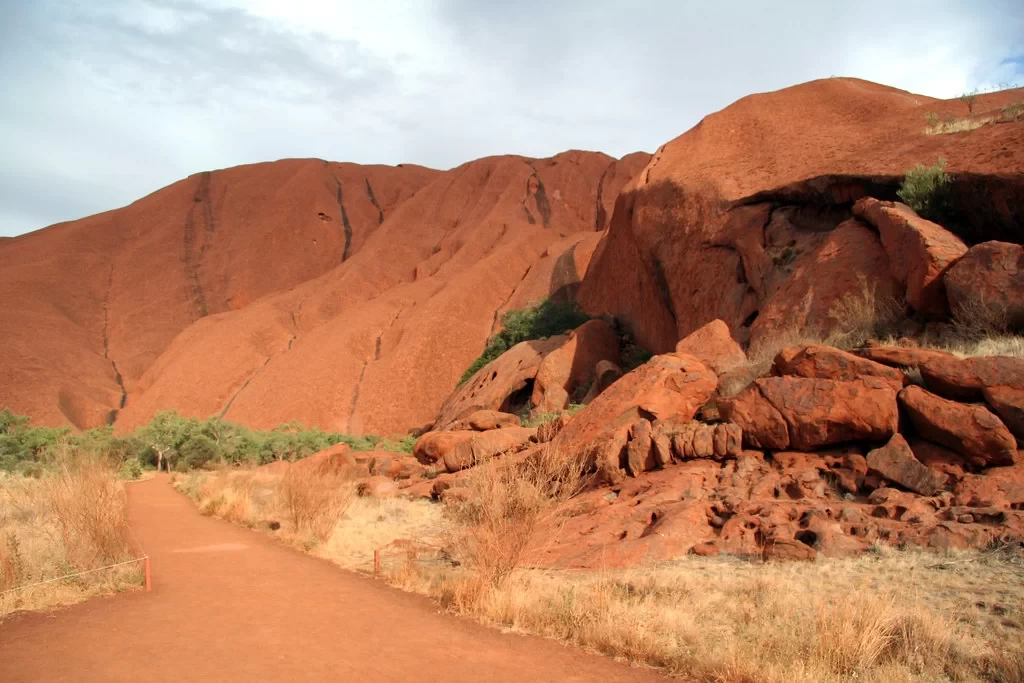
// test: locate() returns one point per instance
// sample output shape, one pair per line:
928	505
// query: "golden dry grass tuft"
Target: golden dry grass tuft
72	519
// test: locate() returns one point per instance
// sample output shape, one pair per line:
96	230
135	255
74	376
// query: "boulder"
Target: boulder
498	385
966	379
433	446
787	550
971	430
485	420
896	462
605	374
337	459
806	413
1008	402
825	362
571	366
485	445
988	282
901	356
840	268
669	386
919	252
639	456
713	346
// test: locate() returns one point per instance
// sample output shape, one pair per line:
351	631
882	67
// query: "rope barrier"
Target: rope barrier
68	576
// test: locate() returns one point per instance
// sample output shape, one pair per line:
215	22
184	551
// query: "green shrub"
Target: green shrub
545	319
198	451
131	469
926	189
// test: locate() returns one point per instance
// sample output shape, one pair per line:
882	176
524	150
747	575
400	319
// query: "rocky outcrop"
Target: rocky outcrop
485	420
570	368
713	346
485	445
896	462
970	430
805	414
986	286
504	384
825	362
432	447
919	252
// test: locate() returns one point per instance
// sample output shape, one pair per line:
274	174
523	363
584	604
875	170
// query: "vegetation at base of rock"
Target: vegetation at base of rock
72	518
926	189
545	319
171	440
543	418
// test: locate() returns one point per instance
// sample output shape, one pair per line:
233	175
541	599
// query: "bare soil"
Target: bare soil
230	604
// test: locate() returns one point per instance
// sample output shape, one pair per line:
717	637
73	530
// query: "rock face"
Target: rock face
919	251
849	264
485	445
988	282
825	362
805	413
896	462
432	447
970	430
504	384
486	420
346	297
669	386
572	366
728	220
713	346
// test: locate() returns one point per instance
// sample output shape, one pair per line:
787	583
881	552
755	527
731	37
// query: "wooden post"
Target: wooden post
149	583
376	563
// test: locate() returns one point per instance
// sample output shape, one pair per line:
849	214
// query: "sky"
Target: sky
105	101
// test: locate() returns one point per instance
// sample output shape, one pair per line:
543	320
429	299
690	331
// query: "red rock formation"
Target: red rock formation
987	284
973	431
573	366
824	362
919	252
732	210
713	346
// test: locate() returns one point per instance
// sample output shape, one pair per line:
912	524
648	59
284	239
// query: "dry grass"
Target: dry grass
888	617
315	500
959	125
72	519
500	509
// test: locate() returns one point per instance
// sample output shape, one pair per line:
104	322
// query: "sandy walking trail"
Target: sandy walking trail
230	604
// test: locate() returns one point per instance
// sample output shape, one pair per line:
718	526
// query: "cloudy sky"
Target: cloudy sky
104	101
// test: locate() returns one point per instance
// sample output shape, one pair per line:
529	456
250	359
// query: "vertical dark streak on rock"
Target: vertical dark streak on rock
195	245
346	226
112	416
355	395
242	388
373	200
600	215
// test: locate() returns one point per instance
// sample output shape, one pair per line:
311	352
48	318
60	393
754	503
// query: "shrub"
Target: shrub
545	319
315	499
503	506
969	98
926	189
198	451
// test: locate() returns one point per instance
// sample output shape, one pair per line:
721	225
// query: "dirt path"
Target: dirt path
234	605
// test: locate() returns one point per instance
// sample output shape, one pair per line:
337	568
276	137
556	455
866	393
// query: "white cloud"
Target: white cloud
105	101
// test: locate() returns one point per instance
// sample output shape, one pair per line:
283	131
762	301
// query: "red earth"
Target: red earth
230	604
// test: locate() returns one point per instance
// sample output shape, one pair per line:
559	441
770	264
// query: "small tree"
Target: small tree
969	98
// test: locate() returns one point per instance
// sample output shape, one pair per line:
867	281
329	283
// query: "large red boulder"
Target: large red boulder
804	413
485	445
965	379
988	282
850	263
336	459
901	356
919	252
713	346
572	366
895	461
669	386
433	446
825	362
971	430
497	385
1008	402
485	420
